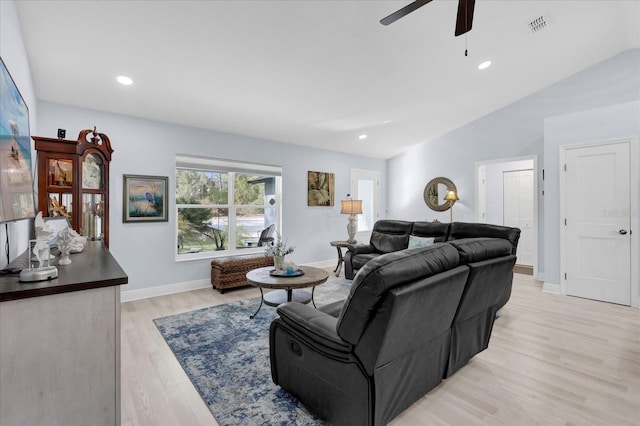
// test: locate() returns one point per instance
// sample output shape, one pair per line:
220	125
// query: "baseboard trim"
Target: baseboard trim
523	269
144	293
551	288
323	263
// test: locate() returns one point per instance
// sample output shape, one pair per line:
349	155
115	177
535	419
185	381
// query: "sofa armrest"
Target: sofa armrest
361	249
315	324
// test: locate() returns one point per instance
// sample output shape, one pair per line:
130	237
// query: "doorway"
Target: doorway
518	212
365	186
597	222
506	191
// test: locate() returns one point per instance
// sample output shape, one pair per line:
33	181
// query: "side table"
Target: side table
339	245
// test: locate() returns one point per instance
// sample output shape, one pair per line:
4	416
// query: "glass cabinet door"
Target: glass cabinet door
60	204
92	225
60	172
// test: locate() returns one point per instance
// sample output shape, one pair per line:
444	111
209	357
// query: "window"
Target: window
222	206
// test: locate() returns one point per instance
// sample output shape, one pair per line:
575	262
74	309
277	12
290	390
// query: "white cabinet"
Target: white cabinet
60	344
60	359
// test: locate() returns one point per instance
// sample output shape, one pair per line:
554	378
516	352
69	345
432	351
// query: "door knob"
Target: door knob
622	232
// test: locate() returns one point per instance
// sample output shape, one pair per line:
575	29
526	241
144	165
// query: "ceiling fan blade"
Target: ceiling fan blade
465	16
403	12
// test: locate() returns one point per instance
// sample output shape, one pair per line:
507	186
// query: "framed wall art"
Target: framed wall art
320	189
16	183
145	198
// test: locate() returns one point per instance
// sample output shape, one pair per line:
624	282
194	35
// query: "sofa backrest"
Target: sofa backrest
473	250
390	235
460	230
491	274
413	318
438	231
389	271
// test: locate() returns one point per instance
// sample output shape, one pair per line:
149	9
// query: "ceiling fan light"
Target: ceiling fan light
484	65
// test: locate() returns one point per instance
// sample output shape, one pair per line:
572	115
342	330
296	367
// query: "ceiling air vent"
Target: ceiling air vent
539	23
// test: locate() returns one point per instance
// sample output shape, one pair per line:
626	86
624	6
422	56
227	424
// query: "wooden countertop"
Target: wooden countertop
94	267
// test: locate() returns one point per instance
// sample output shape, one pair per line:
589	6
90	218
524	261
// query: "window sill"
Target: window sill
187	257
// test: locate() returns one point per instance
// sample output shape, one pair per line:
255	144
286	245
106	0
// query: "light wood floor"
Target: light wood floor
552	360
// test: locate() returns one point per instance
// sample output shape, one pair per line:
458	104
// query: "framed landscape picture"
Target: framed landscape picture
16	182
145	198
320	188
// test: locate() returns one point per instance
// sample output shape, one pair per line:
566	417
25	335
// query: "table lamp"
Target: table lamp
352	208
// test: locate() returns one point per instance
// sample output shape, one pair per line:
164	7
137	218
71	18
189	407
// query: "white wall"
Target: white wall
616	122
146	250
516	130
14	55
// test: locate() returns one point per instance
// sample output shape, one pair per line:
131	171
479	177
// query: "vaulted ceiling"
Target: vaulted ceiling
314	73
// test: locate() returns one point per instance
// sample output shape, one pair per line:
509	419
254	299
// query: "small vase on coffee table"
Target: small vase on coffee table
278	262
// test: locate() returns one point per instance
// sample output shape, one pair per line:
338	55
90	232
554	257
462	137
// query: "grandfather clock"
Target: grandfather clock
73	181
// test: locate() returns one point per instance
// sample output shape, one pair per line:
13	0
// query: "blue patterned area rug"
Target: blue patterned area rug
226	356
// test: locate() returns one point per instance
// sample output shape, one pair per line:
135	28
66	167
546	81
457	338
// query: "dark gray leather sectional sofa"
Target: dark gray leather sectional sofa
393	235
413	317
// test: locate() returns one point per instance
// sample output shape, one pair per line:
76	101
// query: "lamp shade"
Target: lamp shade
351	207
451	196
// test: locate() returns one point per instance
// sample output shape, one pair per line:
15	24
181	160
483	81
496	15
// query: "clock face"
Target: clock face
91	174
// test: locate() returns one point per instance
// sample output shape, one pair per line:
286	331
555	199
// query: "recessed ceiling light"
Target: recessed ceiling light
124	80
362	137
484	65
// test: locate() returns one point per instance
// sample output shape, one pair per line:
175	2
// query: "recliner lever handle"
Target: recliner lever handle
295	348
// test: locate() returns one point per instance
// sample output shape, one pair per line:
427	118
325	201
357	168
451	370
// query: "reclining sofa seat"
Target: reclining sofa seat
387	236
487	289
388	346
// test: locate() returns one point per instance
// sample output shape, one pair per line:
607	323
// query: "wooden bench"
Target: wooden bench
231	271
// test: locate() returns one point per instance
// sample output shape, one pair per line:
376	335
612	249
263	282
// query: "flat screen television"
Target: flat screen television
17	199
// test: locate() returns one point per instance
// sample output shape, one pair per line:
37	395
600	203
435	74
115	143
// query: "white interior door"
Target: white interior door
365	186
518	208
598	243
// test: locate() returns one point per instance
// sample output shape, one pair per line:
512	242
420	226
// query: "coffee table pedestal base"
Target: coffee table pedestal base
278	297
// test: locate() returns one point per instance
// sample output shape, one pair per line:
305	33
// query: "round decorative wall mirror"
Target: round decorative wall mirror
435	191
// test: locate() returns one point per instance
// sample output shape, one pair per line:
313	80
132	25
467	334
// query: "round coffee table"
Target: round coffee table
287	288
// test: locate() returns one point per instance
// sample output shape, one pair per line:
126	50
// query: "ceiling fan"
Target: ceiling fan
463	21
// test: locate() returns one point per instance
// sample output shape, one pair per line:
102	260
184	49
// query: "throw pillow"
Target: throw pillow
417	242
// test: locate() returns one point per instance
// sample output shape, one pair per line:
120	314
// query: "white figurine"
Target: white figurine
41	247
64	244
76	241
